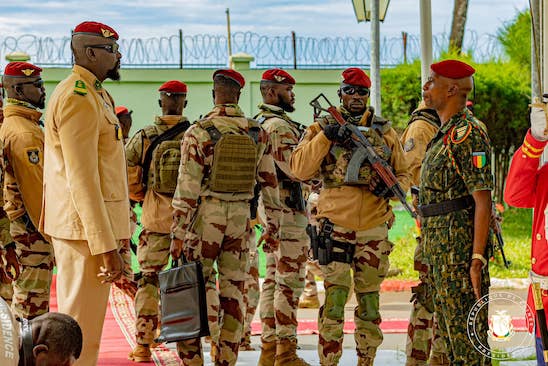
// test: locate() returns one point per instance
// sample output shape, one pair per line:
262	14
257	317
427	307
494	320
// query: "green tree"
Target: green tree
515	37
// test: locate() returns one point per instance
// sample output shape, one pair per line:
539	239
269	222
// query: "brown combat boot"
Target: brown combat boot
365	361
309	302
140	353
286	354
439	359
268	352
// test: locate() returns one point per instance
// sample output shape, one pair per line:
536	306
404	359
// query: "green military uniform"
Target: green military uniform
285	278
359	225
457	163
211	212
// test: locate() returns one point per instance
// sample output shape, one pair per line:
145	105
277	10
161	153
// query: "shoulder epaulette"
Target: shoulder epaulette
80	88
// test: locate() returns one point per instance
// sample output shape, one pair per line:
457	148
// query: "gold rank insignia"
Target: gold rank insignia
80	87
279	78
106	33
98	85
118	132
27	72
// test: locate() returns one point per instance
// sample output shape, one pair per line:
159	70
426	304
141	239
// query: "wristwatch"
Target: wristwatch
481	258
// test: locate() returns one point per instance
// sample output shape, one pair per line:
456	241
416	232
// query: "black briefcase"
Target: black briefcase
183	302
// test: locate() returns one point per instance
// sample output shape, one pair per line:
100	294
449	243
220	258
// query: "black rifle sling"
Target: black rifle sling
166	136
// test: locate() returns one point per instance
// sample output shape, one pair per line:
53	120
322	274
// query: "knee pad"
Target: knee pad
335	300
148	279
368	306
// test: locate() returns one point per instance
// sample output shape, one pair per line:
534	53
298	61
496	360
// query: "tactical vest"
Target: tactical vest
334	172
166	158
235	158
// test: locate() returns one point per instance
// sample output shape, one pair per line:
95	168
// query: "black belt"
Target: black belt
445	207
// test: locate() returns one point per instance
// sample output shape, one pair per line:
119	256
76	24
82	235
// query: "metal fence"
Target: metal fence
291	51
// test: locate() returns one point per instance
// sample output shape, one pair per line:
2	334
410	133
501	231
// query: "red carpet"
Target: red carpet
118	339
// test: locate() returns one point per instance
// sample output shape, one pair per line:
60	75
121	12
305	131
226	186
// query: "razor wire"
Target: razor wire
211	51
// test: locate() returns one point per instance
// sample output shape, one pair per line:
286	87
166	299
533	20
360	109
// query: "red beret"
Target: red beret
452	69
278	76
95	29
231	74
173	87
121	110
22	69
356	76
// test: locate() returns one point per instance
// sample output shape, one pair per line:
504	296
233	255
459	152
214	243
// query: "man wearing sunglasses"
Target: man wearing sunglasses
22	163
354	215
86	202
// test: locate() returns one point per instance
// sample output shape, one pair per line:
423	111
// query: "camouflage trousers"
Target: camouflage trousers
370	266
153	256
284	281
252	291
219	234
6	289
422	337
453	300
32	288
312	270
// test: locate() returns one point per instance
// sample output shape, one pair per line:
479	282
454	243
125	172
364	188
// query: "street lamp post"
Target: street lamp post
374	11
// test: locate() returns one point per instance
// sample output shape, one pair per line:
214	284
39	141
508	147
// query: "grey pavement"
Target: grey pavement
394	305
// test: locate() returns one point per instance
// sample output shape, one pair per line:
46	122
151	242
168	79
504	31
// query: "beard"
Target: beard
286	106
114	73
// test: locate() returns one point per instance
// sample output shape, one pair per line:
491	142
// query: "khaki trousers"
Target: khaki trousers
80	293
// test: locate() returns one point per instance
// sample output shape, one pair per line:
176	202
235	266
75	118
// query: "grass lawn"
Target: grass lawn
516	227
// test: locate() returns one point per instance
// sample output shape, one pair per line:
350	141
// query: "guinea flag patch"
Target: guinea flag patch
479	159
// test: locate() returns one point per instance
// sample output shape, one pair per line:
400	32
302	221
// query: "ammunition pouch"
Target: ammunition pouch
323	246
295	199
445	207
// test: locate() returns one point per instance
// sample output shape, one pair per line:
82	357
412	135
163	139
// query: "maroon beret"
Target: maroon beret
231	74
356	76
22	69
95	29
278	76
452	69
173	87
121	110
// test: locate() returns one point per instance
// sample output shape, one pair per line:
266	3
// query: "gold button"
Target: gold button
533	260
523	156
539	236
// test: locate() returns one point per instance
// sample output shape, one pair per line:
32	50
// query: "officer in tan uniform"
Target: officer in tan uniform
223	156
22	162
86	202
284	284
353	215
422	342
145	170
7	245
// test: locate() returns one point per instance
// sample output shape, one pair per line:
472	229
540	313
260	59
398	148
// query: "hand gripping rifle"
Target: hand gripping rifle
365	149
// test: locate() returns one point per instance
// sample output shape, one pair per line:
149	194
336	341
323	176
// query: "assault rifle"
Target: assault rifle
366	150
498	235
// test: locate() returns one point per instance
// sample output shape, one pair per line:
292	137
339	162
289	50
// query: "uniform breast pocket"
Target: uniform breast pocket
434	172
112	161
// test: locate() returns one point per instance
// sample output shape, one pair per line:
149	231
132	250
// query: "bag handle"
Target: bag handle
176	262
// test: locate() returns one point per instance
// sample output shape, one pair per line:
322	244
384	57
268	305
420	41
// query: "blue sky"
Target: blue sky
151	18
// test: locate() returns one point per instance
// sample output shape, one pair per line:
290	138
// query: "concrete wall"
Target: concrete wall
138	90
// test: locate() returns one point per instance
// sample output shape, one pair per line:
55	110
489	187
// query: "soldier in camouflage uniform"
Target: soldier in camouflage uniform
309	299
455	209
211	206
421	336
354	215
7	245
285	276
22	140
144	163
